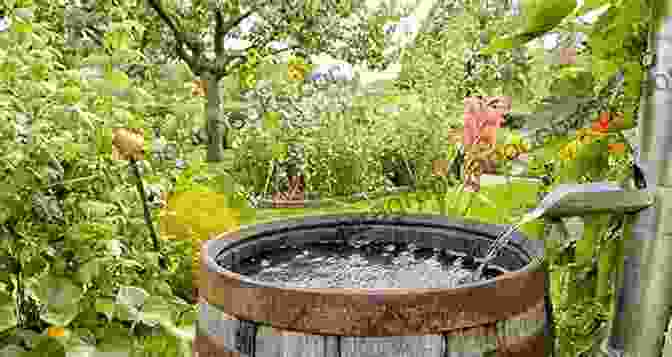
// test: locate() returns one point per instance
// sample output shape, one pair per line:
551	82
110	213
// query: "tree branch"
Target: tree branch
221	28
221	65
219	33
179	37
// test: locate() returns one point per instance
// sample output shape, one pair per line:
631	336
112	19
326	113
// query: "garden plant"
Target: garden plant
131	131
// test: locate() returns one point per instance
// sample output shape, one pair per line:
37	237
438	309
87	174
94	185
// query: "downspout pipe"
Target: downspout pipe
645	290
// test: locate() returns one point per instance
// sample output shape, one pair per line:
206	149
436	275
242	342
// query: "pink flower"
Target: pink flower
482	118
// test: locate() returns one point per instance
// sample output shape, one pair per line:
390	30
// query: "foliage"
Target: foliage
341	157
78	268
81	271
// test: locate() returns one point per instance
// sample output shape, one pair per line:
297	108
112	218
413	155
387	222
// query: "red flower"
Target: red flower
602	125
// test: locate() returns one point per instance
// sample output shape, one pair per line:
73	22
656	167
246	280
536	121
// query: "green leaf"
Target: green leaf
129	302
188	110
590	5
116	40
502	44
184	333
96	60
96	209
56	291
312	6
106	307
117	80
89	271
22	27
81	350
8	318
35	265
71	94
12	351
104	140
157	311
543	16
279	151
272	120
60	315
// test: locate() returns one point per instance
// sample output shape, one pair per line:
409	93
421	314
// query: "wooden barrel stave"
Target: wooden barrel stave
522	335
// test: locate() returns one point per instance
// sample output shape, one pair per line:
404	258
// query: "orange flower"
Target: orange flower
602	125
617	148
56	331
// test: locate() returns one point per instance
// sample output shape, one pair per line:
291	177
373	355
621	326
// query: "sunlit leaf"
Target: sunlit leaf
106	307
56	291
8	317
117	80
272	120
60	315
22	27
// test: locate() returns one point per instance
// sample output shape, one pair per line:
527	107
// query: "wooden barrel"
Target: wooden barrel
504	316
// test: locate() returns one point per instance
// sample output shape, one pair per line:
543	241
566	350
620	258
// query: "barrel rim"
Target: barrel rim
225	240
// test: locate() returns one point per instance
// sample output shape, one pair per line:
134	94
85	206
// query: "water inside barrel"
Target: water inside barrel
360	263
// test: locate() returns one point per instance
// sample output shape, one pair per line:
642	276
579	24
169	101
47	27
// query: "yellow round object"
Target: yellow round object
197	216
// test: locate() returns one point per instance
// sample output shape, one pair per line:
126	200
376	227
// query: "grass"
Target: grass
497	204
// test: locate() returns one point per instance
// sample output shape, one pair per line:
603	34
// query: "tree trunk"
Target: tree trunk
216	132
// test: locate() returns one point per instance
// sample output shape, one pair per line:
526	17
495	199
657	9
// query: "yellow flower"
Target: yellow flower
296	72
568	152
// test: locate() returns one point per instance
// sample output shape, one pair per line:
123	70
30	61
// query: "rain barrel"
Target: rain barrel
508	315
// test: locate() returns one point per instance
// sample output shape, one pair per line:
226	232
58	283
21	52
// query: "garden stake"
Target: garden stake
20	298
148	217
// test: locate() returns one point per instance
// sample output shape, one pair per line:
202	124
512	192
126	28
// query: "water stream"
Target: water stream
547	203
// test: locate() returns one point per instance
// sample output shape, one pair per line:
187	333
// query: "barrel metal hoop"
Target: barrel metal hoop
246	334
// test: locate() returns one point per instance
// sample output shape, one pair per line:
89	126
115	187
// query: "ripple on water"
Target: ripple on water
369	265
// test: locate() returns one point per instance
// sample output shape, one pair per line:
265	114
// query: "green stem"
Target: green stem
457	197
467	209
147	214
271	168
605	267
586	245
608	256
20	297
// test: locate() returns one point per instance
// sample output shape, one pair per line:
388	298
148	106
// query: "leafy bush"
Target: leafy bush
341	157
253	157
